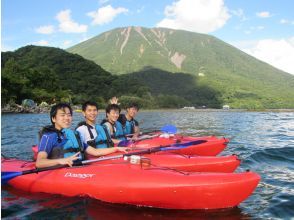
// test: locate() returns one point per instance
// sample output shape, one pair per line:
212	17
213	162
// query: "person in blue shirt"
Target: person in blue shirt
113	127
91	133
61	146
130	125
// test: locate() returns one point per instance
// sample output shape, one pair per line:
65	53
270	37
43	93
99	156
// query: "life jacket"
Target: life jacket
68	143
118	132
102	140
73	143
128	125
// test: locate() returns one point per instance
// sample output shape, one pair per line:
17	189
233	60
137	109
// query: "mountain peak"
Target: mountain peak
214	62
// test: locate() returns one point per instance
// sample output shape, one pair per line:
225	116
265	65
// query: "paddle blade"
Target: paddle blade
193	143
6	176
184	145
124	143
170	129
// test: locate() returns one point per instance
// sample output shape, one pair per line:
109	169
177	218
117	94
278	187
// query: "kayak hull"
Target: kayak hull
225	164
141	186
212	147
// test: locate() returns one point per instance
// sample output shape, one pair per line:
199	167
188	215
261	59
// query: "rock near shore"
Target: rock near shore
15	108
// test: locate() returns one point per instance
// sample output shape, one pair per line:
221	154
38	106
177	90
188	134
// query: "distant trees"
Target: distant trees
51	75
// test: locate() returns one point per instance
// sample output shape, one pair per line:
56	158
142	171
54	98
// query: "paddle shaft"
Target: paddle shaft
147	151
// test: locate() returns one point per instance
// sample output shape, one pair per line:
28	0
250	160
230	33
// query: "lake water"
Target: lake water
263	140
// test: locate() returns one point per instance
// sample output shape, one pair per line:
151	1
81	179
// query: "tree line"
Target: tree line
51	75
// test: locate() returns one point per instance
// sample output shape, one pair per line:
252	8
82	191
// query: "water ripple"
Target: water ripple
263	140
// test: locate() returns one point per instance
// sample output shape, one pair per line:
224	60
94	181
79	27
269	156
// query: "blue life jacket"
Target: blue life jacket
67	144
118	131
129	127
71	146
103	139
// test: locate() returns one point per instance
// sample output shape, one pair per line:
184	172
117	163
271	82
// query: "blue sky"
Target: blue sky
264	28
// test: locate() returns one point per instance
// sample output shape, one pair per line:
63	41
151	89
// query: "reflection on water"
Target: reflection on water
264	141
40	204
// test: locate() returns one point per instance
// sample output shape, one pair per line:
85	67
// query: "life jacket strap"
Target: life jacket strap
71	150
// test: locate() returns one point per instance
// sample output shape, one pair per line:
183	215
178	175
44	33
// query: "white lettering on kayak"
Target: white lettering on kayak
79	175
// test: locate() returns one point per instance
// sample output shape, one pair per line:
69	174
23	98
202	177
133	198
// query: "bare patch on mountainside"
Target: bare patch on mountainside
126	34
141	50
178	59
160	35
139	30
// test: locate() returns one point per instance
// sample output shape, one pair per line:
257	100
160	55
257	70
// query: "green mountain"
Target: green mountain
241	80
51	74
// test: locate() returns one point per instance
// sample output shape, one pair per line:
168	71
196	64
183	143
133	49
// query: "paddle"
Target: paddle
169	129
6	176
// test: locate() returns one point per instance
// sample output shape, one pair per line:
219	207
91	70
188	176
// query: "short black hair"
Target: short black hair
112	107
58	106
89	103
133	105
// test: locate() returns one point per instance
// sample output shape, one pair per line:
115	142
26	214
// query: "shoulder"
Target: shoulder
107	125
82	128
103	121
49	135
118	123
80	124
122	116
136	122
48	140
122	119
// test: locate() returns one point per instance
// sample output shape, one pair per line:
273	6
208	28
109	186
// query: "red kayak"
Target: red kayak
133	184
211	147
225	164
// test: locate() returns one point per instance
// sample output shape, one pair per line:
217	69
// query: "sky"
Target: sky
261	28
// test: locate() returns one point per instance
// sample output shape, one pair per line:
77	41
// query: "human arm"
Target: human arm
114	100
43	161
136	130
104	151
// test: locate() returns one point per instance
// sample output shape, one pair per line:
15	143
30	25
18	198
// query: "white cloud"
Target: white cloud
41	43
195	15
49	29
263	14
278	53
67	25
105	14
285	21
239	13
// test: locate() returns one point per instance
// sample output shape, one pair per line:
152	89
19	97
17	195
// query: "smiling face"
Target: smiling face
113	115
132	112
62	119
90	114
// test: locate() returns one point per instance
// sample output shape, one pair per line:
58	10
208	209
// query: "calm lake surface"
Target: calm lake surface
263	140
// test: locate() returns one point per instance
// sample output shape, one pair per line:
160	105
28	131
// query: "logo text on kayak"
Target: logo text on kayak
79	175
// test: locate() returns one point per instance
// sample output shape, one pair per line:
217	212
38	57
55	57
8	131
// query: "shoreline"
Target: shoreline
40	110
